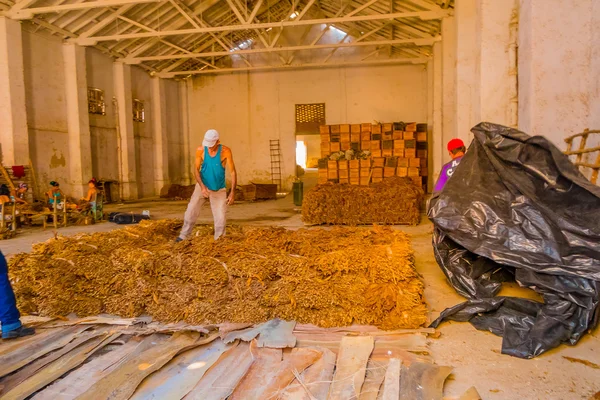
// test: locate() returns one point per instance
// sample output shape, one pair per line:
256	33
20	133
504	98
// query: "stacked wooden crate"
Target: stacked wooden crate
396	149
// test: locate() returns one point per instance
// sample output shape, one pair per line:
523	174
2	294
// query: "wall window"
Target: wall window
309	117
96	103
139	115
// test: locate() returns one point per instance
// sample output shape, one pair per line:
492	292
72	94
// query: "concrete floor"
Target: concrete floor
475	355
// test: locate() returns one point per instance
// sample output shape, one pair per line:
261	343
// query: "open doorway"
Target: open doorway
309	117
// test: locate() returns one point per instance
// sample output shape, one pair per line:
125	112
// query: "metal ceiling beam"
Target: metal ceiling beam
237	12
28	13
359	9
255	11
418	42
392	61
106	21
242	27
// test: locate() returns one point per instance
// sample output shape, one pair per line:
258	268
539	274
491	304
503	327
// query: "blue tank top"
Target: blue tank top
212	171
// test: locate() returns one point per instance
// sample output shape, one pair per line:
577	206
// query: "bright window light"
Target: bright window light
338	30
243	45
294	15
301	154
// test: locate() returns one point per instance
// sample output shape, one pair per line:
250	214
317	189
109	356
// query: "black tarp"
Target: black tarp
517	209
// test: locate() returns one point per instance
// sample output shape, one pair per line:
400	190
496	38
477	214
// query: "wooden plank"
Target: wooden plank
179	376
59	367
11	381
81	379
265	365
351	365
315	378
297	362
374	378
220	381
391	385
122	382
37	347
277	334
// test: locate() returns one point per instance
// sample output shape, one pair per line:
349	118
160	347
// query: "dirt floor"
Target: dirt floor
563	373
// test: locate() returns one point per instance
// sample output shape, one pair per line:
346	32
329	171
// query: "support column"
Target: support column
438	144
126	139
14	135
159	124
185	89
448	88
78	122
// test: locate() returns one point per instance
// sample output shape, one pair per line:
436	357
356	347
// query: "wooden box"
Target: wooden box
335	147
421	127
365	136
322	163
345	137
332	174
354	173
423	163
365	172
343	174
391	162
365	163
325	147
410	153
365	145
376	153
414	162
344	181
365	127
355	128
389	171
332	164
354	181
364	181
413	171
335	138
388	127
322	180
402	171
417	180
375	128
403	162
421	153
377	179
410	127
355	146
378	162
410	144
323	172
345	146
387	144
399	144
334	128
409	136
355	137
375	144
377	172
387	152
421	136
325	138
387	136
324	129
342	164
344	128
399	152
424	171
398	135
375	136
354	164
260	191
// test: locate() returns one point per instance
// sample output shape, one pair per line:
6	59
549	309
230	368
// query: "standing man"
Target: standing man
9	315
209	171
456	149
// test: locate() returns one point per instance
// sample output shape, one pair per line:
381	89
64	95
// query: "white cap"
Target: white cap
210	138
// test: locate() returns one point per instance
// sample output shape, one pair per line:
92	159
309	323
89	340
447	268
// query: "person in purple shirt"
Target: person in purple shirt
456	149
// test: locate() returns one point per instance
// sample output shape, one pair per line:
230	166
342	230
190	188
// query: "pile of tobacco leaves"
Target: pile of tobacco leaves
394	201
325	277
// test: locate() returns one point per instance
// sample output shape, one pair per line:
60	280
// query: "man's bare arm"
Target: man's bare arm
197	165
232	171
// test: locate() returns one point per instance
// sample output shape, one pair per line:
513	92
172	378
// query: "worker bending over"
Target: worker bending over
209	170
456	149
9	315
17	195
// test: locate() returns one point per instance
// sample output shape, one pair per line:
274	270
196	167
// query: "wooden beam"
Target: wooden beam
28	13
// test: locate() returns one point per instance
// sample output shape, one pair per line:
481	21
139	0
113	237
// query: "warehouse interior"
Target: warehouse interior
123	91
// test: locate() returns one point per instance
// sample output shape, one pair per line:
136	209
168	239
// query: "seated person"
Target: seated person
4	194
89	200
456	149
55	195
17	195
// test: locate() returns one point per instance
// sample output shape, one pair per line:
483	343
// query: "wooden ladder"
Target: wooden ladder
582	150
275	152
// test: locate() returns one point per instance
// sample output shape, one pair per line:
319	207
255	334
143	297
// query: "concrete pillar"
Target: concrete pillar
185	90
14	136
122	74
448	67
160	129
438	144
78	123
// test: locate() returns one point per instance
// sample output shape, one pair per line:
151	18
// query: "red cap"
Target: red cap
455	144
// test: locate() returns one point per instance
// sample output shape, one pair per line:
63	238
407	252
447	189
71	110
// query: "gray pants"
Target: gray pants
218	205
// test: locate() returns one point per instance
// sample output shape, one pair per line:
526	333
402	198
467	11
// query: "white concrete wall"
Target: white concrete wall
46	110
249	109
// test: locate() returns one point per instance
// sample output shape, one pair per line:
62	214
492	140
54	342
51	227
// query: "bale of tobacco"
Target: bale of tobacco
328	278
394	201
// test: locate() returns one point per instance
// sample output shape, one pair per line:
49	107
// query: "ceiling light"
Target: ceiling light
294	15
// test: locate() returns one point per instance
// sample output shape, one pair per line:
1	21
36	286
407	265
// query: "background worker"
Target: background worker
18	194
456	149
209	170
55	195
9	314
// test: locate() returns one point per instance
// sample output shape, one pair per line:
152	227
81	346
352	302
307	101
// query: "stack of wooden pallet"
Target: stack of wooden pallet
389	149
